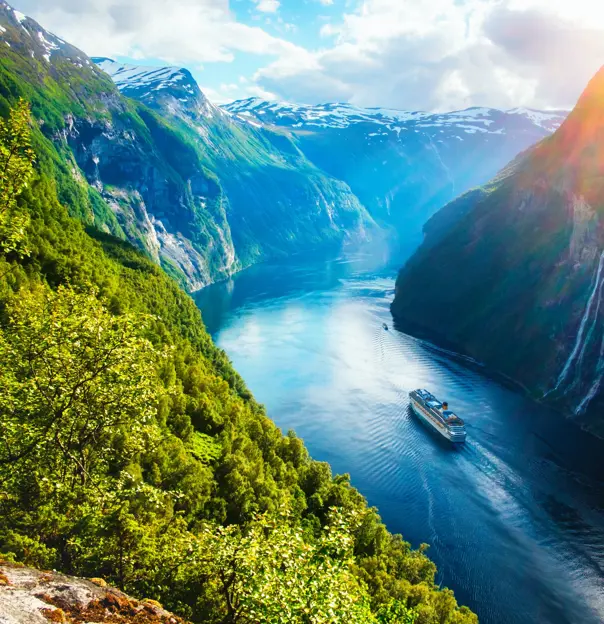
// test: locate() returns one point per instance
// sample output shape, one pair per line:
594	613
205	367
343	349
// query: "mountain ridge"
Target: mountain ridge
203	195
341	114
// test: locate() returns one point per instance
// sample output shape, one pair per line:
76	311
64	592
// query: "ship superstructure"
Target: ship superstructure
438	415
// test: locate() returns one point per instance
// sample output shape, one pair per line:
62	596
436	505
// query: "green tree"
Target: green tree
270	574
16	170
396	613
75	382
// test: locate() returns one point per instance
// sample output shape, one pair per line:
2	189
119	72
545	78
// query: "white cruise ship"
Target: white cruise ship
438	416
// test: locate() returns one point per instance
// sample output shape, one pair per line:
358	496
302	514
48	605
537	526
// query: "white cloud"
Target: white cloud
445	54
228	92
412	54
182	31
328	30
267	6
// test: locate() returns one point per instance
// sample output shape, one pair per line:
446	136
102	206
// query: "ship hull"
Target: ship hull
423	414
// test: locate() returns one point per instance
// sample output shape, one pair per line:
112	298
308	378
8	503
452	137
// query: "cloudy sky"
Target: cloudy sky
406	54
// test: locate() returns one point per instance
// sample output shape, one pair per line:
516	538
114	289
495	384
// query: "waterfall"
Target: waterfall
592	328
595	387
440	160
579	340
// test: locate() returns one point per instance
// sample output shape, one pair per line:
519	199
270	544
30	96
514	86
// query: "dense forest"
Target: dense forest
131	450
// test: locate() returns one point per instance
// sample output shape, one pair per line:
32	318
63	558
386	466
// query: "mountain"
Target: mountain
513	273
118	166
171	88
403	166
358	166
201	193
278	202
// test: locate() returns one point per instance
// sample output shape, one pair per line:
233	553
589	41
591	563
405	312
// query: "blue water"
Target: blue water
515	519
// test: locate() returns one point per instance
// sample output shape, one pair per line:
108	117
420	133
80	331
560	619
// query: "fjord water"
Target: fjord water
514	519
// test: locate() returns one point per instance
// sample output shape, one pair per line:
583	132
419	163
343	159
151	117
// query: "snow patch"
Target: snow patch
543	119
470	121
138	76
49	46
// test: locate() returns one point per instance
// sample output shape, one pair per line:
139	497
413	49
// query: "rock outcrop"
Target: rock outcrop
29	596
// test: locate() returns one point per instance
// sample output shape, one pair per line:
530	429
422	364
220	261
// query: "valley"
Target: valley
212	313
207	190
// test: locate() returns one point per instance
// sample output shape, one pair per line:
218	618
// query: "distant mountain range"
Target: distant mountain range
513	273
468	121
403	166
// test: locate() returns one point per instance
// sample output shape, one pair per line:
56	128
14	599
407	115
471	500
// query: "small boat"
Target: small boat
438	415
385	326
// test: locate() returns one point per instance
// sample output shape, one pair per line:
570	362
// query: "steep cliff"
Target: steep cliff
278	201
513	273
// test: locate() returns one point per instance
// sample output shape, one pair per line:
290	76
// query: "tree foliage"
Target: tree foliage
272	573
16	170
73	378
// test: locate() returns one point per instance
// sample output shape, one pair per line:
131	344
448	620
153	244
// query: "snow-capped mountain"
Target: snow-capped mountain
469	121
278	202
173	87
404	165
401	165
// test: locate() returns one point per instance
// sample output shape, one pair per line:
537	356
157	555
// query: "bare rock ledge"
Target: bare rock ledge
29	596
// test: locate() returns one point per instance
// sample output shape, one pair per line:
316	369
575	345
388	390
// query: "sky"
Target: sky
433	55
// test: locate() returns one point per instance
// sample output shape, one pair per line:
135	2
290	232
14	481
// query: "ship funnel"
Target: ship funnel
445	405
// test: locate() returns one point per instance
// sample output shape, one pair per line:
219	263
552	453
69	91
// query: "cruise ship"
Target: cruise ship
438	416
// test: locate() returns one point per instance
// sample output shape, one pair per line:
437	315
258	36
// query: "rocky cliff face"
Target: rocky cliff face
279	202
28	596
513	273
163	203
